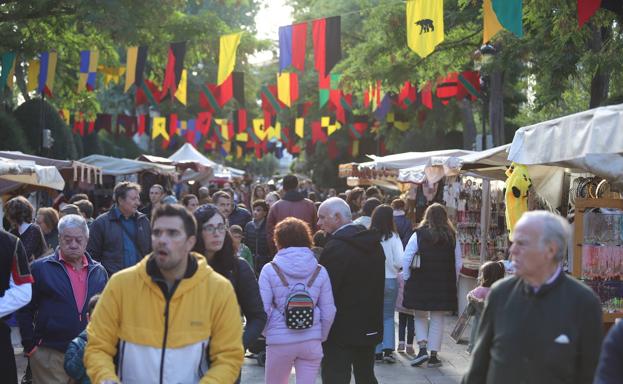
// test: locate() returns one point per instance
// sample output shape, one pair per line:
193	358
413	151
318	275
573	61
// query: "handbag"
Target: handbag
416	260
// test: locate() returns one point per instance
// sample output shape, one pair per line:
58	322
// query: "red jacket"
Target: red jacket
293	204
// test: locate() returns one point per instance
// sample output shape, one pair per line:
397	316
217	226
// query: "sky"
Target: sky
267	22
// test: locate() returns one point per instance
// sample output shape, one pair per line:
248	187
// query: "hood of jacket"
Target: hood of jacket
358	237
293	195
298	262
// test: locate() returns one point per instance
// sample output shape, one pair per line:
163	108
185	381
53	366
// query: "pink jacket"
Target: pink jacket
297	264
401	288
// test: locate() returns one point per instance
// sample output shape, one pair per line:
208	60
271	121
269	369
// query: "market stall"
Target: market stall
584	152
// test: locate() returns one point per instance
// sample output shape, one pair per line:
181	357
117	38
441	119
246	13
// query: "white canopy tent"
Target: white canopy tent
27	172
118	167
411	159
188	153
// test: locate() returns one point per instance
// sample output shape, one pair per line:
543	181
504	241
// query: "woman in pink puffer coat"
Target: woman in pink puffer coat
285	347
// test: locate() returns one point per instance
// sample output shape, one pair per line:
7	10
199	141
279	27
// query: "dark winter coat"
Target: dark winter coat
610	368
255	239
432	287
239	216
33	240
106	240
404	228
53	309
354	258
74	366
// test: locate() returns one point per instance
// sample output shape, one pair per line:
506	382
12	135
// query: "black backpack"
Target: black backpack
299	305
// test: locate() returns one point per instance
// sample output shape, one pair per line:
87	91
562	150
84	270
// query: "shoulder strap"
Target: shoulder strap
280	274
313	277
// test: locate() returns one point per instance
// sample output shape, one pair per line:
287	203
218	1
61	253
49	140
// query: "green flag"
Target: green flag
509	13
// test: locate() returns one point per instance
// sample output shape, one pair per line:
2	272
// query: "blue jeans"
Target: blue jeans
389	308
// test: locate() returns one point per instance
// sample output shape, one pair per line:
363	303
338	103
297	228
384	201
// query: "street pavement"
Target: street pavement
453	356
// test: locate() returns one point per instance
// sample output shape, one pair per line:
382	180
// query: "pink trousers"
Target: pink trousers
305	357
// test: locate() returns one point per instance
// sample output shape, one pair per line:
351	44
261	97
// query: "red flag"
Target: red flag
174	68
407	96
469	85
299	42
427	96
141	125
91	126
317	133
332	150
447	87
586	9
203	122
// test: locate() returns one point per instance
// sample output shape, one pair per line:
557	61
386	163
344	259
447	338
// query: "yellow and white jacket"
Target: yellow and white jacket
194	337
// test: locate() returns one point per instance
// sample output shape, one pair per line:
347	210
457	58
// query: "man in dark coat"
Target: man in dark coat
255	235
403	224
539	326
355	261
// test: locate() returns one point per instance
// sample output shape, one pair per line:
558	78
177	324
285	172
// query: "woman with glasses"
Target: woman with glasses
215	243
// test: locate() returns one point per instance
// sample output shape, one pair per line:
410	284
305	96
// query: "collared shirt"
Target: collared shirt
22	228
551	279
78	279
130	253
342	227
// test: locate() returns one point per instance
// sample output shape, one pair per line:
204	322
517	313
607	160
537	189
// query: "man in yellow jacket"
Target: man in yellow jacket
168	319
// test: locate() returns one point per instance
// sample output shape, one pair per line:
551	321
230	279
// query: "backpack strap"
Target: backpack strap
280	274
313	277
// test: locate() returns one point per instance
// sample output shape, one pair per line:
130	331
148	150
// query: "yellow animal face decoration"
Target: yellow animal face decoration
517	186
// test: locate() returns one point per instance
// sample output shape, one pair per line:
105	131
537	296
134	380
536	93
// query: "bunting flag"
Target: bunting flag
447	87
586	9
65	116
33	75
209	97
135	66
79	124
327	44
302	109
180	93
385	107
509	14
142	126
426	95
159	128
425	28
299	127
240	120
270	101
331	125
317	133
491	25
292	46
111	74
88	70
227	56
126	124
103	121
354	148
287	87
174	69
232	87
91	127
147	92
332	151
407	95
469	85
372	96
173	124
41	73
258	129
358	127
8	69
238	87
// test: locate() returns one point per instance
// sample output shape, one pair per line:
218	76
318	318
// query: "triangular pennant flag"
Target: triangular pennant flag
8	61
447	88
79	124
425	29
209	98
159	128
135	66
227	55
259	130
299	127
491	25
65	115
427	96
88	70
174	69
407	95
48	72
147	92
327	44
111	74
270	102
509	14
317	133
586	9
469	85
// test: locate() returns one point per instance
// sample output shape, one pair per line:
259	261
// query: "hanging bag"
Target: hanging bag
299	306
417	259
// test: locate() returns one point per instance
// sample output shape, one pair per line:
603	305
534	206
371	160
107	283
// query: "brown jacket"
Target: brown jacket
293	204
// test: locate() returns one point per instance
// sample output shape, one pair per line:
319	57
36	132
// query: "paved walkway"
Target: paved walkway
452	355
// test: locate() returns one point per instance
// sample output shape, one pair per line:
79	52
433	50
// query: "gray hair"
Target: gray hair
73	221
554	228
336	205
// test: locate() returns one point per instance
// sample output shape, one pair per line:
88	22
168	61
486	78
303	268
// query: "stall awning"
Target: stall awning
27	172
117	167
70	169
413	159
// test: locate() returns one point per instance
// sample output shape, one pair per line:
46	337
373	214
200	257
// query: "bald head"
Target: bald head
333	213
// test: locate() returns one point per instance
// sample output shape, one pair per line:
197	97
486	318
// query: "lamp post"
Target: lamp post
482	58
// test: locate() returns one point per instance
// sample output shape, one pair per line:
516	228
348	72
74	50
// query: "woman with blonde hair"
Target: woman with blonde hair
430	288
259	193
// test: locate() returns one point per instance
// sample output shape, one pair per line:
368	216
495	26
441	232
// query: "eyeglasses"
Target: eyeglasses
212	229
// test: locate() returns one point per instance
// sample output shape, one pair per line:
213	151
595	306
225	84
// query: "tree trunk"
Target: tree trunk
601	79
496	107
469	127
19	79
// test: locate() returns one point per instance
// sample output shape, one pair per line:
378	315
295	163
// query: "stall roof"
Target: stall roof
117	167
27	172
71	169
412	159
188	152
590	141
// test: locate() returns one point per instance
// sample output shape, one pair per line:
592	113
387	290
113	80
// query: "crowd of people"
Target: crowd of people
177	292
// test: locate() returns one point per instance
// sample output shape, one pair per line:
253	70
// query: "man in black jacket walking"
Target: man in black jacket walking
354	258
539	326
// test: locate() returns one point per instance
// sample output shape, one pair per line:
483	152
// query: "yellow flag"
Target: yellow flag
283	88
159	128
490	20
224	129
65	116
274	132
242	137
424	25
325	121
180	93
33	75
332	128
258	129
131	63
49	82
299	126
355	148
227	56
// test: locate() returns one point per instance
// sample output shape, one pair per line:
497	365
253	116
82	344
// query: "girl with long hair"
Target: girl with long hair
430	289
383	222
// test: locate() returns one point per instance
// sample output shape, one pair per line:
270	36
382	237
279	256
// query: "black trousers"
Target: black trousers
339	361
8	368
406	322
